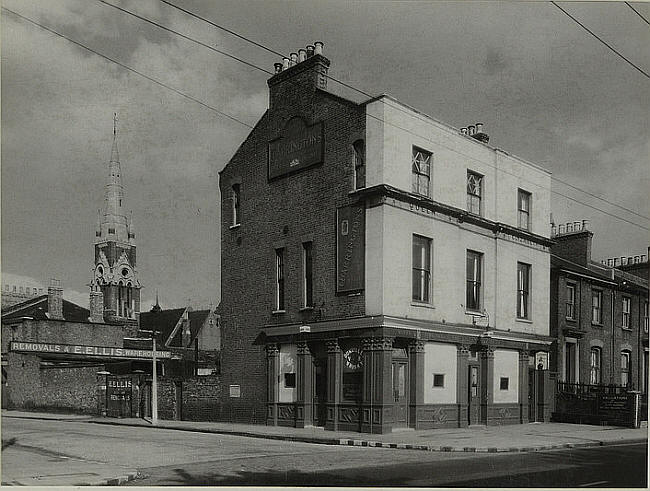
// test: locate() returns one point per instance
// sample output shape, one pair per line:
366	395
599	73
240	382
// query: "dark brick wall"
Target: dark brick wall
281	213
201	398
609	336
58	389
575	247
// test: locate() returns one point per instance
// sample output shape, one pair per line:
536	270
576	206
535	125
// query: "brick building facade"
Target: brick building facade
599	315
360	287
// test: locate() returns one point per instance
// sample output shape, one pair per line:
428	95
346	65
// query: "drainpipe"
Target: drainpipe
611	365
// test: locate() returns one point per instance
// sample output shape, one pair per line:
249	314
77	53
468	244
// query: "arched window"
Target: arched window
359	164
625	368
595	364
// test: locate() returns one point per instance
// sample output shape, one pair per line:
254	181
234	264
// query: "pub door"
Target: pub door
474	396
400	393
320	391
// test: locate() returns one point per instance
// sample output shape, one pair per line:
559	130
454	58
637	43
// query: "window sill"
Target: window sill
525	321
415	303
306	309
476	313
626	329
570	319
233	227
597	325
278	312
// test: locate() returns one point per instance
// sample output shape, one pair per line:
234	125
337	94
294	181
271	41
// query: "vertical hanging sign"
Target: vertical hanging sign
350	248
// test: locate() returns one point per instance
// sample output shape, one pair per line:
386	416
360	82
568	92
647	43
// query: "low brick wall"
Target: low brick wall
201	398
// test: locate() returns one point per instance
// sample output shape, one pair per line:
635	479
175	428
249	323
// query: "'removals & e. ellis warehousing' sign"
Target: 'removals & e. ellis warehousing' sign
74	349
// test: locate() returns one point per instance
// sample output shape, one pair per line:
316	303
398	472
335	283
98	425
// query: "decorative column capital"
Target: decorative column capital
416	346
377	344
524	356
333	346
302	348
272	349
489	352
463	349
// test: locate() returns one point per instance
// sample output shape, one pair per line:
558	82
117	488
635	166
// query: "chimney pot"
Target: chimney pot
310	50
294	59
479	127
463	131
302	55
470	129
318	48
285	63
278	67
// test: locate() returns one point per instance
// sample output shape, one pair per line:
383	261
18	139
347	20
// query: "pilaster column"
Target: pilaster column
523	386
272	374
462	379
334	381
305	390
416	380
487	382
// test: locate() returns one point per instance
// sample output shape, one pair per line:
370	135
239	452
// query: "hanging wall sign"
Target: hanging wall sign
73	349
350	248
298	147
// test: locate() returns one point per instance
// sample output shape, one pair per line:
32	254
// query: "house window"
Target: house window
523	206
111	230
279	268
645	316
504	383
438	379
473	287
308	291
595	363
421	168
570	301
421	269
235	204
596	307
474	192
627	301
625	368
289	380
523	290
359	164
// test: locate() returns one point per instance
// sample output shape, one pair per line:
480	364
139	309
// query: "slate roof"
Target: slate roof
36	308
162	320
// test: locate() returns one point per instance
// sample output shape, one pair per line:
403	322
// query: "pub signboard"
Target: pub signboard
298	147
350	248
118	396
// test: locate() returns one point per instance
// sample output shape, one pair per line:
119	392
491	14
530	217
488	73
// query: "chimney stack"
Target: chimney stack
55	300
479	135
303	68
96	304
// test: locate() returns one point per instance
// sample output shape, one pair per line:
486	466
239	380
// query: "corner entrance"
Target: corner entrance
400	392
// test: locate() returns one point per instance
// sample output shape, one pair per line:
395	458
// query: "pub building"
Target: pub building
380	269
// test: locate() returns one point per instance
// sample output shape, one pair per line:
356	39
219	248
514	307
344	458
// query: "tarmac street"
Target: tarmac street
74	450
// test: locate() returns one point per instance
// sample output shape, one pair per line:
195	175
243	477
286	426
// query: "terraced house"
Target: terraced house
380	269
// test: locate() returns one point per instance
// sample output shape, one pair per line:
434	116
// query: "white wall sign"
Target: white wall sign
235	391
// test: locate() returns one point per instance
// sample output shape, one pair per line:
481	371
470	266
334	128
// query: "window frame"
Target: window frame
417	175
646	319
479	196
595	293
626	367
595	369
521	193
441	376
359	151
570	306
280	278
308	275
235	216
626	315
423	273
476	284
523	293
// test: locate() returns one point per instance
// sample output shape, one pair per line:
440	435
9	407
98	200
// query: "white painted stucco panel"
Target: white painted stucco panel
506	364
440	358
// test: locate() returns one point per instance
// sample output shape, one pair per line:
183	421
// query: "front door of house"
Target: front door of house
474	396
400	393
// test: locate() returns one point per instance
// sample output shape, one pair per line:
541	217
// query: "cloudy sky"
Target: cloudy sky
546	90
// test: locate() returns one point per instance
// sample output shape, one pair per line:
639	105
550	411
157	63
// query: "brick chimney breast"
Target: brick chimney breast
55	300
96	304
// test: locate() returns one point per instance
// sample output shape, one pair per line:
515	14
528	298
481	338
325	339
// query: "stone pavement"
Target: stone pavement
510	438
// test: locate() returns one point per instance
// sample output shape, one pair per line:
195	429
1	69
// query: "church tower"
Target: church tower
115	274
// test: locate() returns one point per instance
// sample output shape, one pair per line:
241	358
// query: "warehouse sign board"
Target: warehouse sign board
350	248
298	147
74	349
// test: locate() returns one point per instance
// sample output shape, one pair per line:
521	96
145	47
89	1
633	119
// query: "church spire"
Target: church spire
114	222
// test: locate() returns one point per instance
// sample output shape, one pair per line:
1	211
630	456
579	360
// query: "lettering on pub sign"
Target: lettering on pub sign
350	248
298	147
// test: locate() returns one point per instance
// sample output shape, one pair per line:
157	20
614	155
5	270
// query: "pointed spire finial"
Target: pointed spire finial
115	157
114	124
157	307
